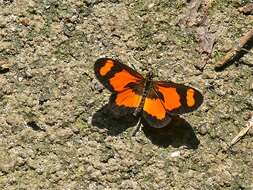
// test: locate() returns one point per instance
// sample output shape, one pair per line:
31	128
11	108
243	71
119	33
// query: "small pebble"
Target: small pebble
203	129
175	154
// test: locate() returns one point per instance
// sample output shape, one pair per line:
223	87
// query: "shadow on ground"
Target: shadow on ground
178	133
104	118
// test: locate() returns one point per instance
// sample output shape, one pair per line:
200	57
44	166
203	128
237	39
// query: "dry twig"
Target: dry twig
247	9
231	55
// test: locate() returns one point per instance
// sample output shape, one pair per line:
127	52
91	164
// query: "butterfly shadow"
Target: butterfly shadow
105	118
178	133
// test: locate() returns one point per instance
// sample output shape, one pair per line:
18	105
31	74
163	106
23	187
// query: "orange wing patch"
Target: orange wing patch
155	108
121	79
190	97
171	97
106	68
128	98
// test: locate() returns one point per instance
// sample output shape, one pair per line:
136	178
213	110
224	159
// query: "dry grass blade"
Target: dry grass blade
243	132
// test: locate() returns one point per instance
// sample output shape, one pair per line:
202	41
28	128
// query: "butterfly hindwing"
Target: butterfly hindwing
125	102
154	111
114	75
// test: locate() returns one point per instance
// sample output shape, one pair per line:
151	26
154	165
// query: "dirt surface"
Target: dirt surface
55	129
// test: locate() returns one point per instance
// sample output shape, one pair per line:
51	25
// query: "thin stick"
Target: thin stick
243	132
243	49
234	51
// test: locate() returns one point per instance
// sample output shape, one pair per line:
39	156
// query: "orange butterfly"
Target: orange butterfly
157	101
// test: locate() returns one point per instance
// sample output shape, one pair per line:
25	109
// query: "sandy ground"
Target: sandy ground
56	131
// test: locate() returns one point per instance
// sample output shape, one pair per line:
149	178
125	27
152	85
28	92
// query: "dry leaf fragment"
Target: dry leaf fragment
247	9
190	16
206	39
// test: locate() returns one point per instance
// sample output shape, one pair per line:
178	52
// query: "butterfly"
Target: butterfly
155	101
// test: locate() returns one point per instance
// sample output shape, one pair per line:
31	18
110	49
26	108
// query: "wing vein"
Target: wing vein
160	100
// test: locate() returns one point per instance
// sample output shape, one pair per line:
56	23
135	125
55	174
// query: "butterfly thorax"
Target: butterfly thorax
147	86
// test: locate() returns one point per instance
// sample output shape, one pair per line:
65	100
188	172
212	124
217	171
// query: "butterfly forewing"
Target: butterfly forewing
164	99
114	75
125	84
178	98
125	102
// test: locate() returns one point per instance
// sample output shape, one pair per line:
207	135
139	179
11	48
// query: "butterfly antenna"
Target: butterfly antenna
132	65
155	72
